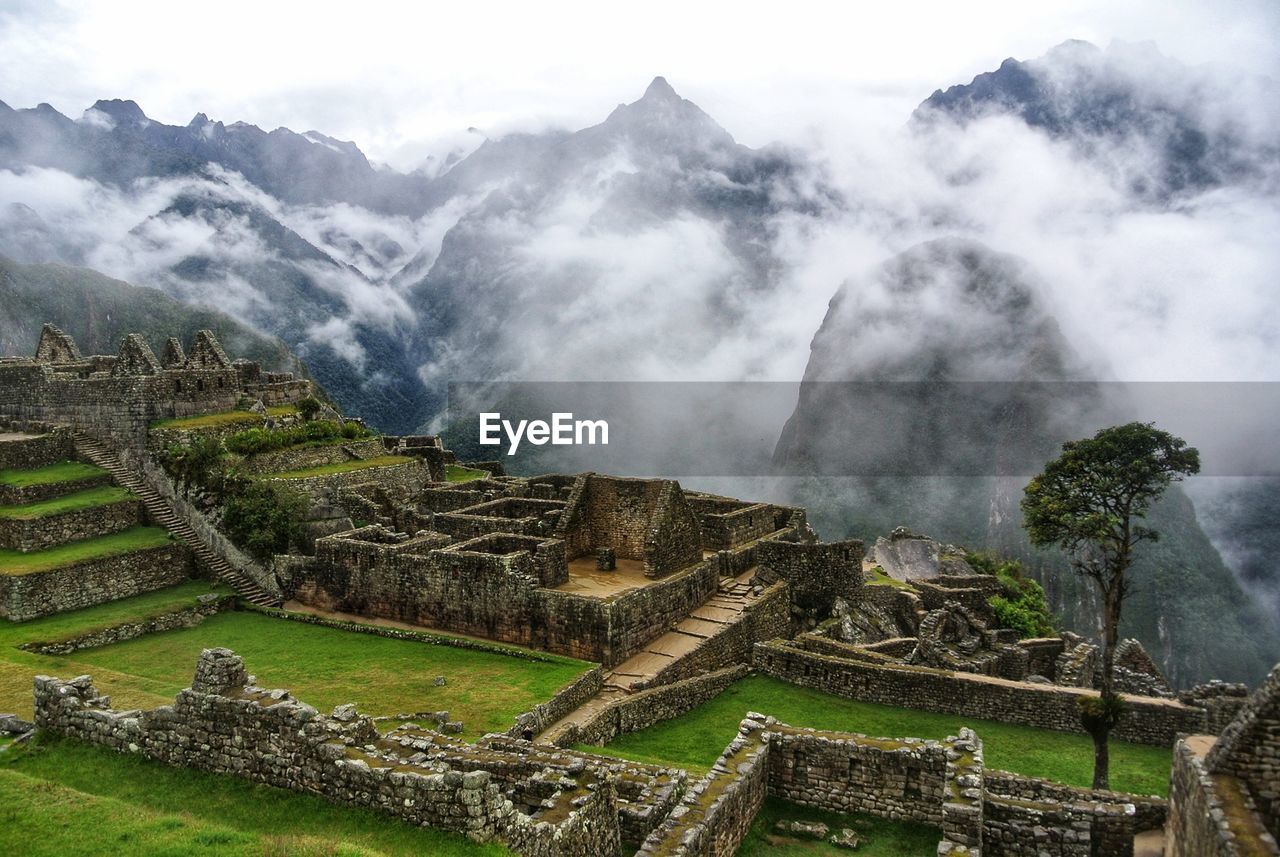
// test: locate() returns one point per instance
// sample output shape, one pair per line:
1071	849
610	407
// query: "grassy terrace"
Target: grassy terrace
697	738
125	541
321	666
458	473
63	471
225	418
65	798
879	577
102	496
60	798
344	467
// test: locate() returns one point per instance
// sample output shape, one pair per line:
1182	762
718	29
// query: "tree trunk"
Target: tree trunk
1101	730
1101	759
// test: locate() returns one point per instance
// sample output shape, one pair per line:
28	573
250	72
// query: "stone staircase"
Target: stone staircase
163	515
725	607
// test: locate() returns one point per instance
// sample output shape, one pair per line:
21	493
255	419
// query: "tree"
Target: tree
1090	501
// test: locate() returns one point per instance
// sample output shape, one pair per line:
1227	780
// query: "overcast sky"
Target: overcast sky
405	79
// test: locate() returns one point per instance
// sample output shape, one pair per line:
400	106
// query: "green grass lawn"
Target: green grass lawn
458	473
125	541
879	577
343	467
327	667
61	798
697	738
103	495
880	837
226	418
18	667
63	471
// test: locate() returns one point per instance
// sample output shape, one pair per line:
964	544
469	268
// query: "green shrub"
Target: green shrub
197	461
1022	605
309	407
265	518
256	440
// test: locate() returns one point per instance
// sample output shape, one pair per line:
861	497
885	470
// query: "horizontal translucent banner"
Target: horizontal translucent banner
851	428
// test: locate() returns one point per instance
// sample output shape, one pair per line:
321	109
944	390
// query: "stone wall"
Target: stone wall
1211	815
766	618
301	457
407	477
565	700
728	523
641	519
1147	721
33	534
649	707
715	814
224	724
818	572
1249	750
29	453
1149	812
640	615
845	772
84	584
188	617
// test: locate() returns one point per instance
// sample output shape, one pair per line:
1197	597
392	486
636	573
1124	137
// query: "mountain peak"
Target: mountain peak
120	110
660	90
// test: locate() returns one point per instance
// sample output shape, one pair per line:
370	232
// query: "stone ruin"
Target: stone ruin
121	394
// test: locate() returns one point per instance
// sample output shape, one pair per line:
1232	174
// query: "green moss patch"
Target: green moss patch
458	473
345	467
63	471
226	418
93	497
116	544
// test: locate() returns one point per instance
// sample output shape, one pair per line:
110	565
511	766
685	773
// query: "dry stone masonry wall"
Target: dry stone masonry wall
223	723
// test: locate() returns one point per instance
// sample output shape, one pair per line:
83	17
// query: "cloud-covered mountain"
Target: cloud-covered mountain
98	312
1166	127
925	382
513	262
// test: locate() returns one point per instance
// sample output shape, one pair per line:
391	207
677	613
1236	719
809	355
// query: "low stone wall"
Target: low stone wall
28	453
84	584
188	617
425	637
1150	812
714	816
650	707
565	700
1020	828
405	478
33	534
300	457
12	495
1146	721
224	724
847	773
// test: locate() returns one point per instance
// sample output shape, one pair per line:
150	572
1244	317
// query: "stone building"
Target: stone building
121	394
